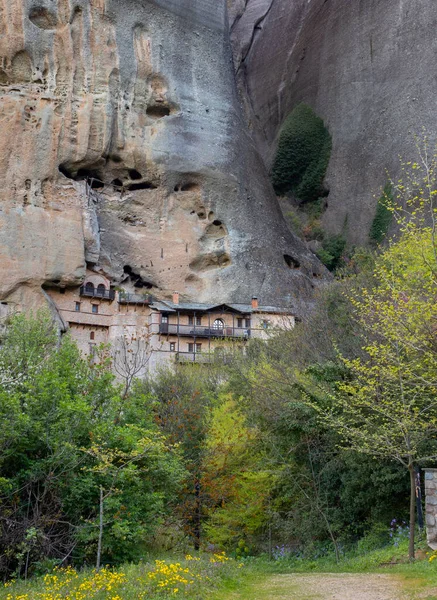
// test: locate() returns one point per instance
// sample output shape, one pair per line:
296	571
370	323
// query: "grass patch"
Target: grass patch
196	578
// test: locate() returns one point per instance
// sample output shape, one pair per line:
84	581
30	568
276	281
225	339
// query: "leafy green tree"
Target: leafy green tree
234	476
387	406
183	399
54	416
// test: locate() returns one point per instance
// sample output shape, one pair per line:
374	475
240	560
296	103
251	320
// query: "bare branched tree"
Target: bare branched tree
131	354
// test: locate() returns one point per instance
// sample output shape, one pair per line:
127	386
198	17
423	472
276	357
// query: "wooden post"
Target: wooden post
99	543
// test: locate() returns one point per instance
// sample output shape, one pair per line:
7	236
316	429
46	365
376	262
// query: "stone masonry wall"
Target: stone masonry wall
431	506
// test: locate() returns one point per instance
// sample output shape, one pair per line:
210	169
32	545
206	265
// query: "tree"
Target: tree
66	432
387	404
131	355
233	476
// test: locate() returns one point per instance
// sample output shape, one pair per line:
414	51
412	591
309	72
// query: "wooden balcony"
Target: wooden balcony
197	331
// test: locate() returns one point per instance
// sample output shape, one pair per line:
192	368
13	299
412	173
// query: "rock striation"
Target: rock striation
364	67
124	150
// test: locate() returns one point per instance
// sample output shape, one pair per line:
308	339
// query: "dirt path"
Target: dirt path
330	586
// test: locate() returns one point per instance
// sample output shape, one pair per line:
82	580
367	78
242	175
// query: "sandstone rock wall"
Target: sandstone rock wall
123	148
365	66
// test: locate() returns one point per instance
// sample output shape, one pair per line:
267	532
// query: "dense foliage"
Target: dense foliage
65	435
383	216
302	157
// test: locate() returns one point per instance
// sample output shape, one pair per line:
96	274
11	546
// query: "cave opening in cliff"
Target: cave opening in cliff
291	262
136	279
93	177
158	111
134	174
144	185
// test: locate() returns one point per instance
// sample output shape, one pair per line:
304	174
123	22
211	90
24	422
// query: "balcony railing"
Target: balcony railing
97	293
204	332
127	298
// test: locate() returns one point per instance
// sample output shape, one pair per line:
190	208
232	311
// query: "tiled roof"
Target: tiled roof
167	306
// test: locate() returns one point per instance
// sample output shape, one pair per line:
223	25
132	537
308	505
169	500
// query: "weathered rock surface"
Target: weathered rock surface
366	67
123	147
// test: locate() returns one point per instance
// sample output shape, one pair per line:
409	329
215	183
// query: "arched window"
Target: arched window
218	324
92	334
101	289
89	287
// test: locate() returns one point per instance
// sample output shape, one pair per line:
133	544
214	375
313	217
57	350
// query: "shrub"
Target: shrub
383	215
331	251
302	156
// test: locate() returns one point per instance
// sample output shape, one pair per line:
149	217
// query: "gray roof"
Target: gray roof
167	306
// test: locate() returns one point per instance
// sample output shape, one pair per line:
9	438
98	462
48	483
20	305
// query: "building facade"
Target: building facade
166	332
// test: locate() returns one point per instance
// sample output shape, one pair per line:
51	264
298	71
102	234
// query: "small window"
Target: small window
198	320
95	308
92	335
62	290
198	347
164	319
247	323
190	320
172	346
239	323
190	347
77	307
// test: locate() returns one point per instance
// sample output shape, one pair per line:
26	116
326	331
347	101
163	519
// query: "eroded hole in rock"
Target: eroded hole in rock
136	279
21	68
144	185
134	174
117	183
210	261
158	111
143	283
43	17
62	169
216	229
189	187
291	262
3	77
92	177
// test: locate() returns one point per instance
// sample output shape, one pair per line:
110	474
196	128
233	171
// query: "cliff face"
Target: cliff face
365	67
123	148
